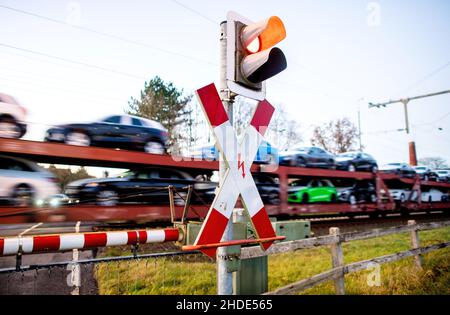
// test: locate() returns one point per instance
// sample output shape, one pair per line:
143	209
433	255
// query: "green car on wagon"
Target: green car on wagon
312	190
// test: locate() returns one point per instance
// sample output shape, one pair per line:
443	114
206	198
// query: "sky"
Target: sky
77	61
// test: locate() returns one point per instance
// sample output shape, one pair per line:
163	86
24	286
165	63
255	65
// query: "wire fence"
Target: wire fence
163	269
151	273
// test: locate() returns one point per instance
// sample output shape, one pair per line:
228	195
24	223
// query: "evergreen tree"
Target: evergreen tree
166	104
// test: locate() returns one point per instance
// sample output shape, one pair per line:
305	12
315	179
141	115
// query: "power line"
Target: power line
294	62
116	37
51	79
51	87
315	91
318	75
196	12
73	61
423	79
434	121
104	34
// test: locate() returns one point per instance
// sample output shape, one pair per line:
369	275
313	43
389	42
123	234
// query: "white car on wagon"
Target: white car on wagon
24	183
433	195
12	117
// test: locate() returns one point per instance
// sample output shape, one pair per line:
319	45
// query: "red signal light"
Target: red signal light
254	46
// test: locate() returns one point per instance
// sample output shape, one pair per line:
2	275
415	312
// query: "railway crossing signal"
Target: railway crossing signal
251	55
238	179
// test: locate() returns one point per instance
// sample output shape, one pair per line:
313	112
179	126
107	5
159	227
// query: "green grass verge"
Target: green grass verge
194	275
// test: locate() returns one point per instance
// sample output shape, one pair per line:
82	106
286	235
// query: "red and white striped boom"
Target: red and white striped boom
65	242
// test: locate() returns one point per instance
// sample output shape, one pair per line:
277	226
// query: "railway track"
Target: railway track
321	226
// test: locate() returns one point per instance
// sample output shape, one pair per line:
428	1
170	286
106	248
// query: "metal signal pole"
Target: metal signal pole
224	278
405	101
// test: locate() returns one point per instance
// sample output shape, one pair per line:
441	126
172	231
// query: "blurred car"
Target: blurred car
426	173
360	191
399	194
23	182
315	190
356	161
307	157
433	195
54	201
401	169
446	197
267	186
268	189
118	131
443	175
12	117
266	153
147	185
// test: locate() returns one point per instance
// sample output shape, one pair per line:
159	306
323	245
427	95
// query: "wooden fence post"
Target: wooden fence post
415	243
338	261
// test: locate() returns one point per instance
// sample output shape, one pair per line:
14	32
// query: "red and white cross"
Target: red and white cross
238	179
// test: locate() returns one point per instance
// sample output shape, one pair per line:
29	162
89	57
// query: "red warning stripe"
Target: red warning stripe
262	116
142	237
210	99
94	240
46	243
212	233
171	235
263	226
132	238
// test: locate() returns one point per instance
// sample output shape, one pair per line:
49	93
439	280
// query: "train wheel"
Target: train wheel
23	196
78	138
305	198
274	198
333	198
352	199
9	129
373	198
154	147
107	197
300	162
373	215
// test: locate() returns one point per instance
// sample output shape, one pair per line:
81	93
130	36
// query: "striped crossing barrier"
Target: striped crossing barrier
65	242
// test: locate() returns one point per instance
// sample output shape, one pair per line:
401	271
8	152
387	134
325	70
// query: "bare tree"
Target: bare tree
242	113
434	162
283	131
336	136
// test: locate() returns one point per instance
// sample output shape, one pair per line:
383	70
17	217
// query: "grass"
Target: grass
197	275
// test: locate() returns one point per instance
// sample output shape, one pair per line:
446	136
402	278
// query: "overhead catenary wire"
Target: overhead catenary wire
104	34
426	77
123	39
134	76
196	12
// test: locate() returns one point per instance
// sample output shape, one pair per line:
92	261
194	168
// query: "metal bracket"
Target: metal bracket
19	254
230	96
135	249
172	204
186	205
230	257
